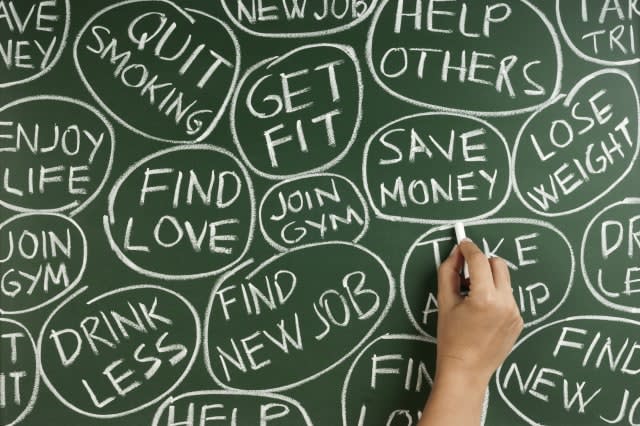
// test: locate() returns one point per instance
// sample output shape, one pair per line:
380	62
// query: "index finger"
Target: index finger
480	273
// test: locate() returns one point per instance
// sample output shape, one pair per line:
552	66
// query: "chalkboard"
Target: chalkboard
232	212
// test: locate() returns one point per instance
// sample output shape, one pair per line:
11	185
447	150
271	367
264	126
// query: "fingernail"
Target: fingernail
453	250
467	239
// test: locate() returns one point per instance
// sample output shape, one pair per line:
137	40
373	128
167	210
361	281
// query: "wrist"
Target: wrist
468	381
456	398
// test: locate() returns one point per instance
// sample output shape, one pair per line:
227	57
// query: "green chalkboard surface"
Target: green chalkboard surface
232	211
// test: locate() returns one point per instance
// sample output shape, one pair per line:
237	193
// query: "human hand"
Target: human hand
475	335
476	332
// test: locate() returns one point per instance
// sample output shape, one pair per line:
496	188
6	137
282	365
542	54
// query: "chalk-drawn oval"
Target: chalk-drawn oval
412	49
50	249
540	259
419	169
148	337
572	153
609	256
389	363
587	363
356	291
43	32
253	407
191	201
610	42
59	156
304	210
300	19
18	352
156	91
322	122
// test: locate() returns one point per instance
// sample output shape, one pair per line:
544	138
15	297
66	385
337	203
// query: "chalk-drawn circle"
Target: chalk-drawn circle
43	29
609	255
188	202
435	168
287	410
15	369
572	153
322	121
295	212
477	68
169	85
59	157
303	19
39	259
605	39
591	356
140	344
540	259
381	369
342	303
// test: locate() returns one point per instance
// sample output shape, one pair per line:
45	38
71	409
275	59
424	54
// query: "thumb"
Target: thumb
449	279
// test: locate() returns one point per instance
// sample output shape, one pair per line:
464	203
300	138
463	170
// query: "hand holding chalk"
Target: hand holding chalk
475	334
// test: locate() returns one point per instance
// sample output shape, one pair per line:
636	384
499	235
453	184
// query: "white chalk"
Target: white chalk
461	235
